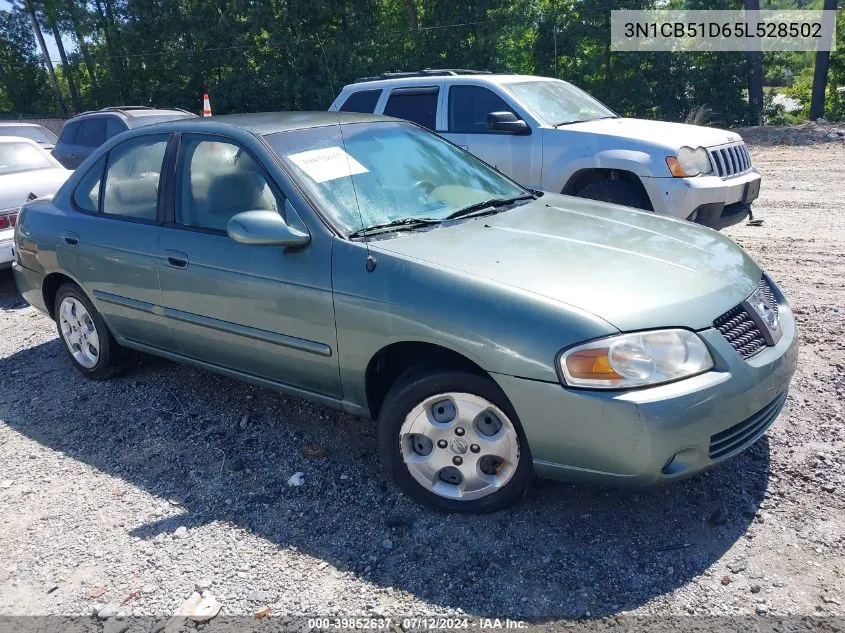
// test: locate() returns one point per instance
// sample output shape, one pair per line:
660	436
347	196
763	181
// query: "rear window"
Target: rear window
414	104
93	132
34	132
114	127
69	132
20	157
362	101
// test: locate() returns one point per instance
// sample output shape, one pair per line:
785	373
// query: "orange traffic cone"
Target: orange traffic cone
206	106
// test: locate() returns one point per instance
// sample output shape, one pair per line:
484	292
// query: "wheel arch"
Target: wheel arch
50	288
391	361
588	175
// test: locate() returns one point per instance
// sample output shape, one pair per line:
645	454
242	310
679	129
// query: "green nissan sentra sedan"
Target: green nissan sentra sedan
369	265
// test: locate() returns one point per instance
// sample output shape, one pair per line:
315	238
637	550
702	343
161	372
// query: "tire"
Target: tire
489	482
83	332
618	192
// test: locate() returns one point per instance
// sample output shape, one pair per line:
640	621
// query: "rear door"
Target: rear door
111	244
262	311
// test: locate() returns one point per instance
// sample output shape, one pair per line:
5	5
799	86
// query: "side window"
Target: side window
414	104
362	101
87	192
93	132
114	127
216	180
69	132
469	107
132	177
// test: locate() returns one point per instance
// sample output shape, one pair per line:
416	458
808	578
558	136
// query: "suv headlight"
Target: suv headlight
689	162
635	360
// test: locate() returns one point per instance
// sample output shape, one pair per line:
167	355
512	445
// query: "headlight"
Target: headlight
635	360
689	162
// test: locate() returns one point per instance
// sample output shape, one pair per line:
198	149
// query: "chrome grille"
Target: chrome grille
740	330
730	160
746	432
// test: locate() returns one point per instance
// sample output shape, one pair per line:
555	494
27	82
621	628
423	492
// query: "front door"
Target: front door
111	247
264	311
517	156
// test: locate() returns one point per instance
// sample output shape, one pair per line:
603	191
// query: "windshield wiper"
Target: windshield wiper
610	116
394	225
489	206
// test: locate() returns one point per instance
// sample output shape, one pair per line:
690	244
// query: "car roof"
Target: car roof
19	124
129	113
18	139
423	80
262	123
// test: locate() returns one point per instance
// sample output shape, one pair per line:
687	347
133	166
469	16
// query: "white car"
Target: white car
25	169
547	134
38	133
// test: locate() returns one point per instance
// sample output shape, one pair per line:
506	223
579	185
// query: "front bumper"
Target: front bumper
624	438
715	201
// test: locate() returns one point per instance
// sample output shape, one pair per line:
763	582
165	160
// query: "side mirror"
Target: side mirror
265	228
507	122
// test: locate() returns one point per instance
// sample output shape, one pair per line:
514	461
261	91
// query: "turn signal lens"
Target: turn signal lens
591	364
675	167
635	360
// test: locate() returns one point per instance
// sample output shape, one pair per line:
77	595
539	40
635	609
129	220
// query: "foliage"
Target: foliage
291	54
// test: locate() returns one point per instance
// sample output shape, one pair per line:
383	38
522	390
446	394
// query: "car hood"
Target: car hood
669	135
635	270
14	188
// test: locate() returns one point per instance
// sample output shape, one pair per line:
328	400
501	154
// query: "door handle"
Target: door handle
176	259
71	238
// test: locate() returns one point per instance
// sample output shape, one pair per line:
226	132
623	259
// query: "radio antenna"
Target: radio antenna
370	259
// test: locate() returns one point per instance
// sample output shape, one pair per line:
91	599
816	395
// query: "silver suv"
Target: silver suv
547	134
82	134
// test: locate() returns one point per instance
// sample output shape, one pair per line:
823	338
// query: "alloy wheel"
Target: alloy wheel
79	332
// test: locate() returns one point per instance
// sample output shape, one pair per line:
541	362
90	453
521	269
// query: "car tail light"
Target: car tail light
8	221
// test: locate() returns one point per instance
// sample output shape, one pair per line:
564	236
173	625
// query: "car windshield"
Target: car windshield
34	132
140	120
380	172
559	103
19	157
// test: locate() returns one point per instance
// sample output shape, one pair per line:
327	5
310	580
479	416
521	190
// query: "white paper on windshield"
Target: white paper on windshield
326	164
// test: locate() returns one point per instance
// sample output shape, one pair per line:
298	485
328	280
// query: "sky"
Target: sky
5	5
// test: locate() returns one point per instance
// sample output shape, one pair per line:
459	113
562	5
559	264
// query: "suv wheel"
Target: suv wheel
453	442
87	340
617	192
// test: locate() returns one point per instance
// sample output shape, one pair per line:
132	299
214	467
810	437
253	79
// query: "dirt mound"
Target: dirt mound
809	133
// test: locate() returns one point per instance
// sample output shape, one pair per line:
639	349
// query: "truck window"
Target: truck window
469	107
414	104
69	132
362	101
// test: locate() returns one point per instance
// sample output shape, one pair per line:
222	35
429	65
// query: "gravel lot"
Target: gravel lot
121	496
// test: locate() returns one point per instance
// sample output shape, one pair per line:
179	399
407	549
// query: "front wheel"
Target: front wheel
88	342
453	442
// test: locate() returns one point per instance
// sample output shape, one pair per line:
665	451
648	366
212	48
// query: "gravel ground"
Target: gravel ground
122	496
